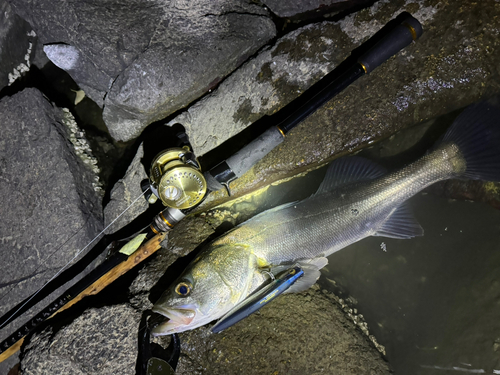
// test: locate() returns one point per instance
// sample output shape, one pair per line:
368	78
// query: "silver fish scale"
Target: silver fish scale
327	222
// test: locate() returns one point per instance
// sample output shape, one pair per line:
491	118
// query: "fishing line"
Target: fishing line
76	256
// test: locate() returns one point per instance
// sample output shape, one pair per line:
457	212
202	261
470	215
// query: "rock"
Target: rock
124	193
488	192
100	341
302	10
303	333
49	208
143	63
17	45
452	65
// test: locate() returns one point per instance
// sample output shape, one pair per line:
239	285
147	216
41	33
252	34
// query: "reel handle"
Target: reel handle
400	36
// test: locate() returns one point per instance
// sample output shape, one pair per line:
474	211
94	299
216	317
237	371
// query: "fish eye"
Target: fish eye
183	288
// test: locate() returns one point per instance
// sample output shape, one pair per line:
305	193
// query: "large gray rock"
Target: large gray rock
100	341
452	65
17	45
142	63
306	333
49	208
304	9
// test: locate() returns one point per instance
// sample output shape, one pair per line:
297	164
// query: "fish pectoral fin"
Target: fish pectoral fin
401	224
312	273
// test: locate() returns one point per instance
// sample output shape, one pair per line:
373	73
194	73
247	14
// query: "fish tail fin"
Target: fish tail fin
476	132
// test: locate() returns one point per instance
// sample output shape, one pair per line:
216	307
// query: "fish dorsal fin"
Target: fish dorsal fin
345	171
401	224
311	274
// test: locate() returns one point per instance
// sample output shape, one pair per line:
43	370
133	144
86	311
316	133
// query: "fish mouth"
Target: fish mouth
178	320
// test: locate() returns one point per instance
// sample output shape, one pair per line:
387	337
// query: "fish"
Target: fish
357	198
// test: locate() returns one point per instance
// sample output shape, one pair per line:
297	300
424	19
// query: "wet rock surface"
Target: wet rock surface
488	192
142	63
300	10
17	45
49	207
109	345
315	336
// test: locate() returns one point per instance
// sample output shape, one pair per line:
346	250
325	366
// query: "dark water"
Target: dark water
432	301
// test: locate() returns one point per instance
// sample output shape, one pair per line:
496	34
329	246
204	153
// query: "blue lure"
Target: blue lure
260	298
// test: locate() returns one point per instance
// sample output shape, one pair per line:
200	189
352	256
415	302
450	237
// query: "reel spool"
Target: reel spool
176	179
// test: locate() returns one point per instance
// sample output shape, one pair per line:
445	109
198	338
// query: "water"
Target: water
432	301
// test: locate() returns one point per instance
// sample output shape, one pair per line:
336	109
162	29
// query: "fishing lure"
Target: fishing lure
260	298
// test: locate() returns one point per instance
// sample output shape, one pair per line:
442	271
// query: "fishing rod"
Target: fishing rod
177	180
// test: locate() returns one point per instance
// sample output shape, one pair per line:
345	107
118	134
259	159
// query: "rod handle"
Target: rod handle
239	163
405	32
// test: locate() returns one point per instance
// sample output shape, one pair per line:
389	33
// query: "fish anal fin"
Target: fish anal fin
345	171
401	224
312	273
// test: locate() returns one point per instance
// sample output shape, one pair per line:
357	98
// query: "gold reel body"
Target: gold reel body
176	176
